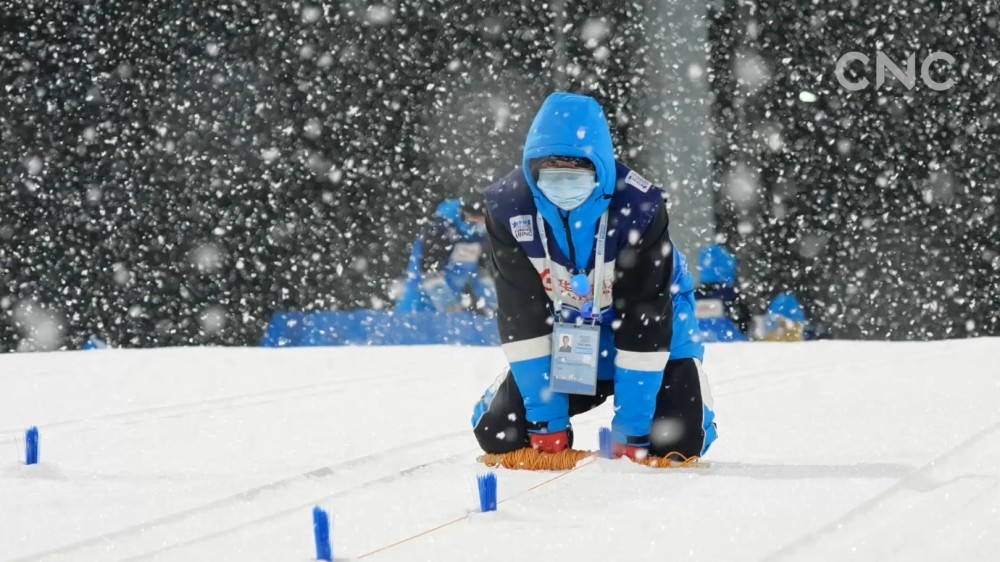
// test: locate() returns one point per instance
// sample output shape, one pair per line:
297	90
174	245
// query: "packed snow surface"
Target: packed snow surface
827	450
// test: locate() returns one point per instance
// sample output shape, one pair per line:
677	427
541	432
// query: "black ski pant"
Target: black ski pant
678	421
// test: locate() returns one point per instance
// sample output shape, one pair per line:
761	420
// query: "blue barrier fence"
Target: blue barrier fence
368	327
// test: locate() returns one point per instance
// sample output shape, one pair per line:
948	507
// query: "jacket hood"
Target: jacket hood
787	306
572	125
717	265
450	211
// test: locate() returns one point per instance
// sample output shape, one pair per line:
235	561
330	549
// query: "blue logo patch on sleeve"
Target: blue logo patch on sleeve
637	181
523	227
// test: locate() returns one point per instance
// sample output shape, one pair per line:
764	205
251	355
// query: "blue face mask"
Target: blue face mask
566	188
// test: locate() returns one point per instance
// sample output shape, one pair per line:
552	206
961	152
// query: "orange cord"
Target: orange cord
672	460
566	461
567	471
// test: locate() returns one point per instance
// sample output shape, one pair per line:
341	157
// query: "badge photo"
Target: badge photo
566	344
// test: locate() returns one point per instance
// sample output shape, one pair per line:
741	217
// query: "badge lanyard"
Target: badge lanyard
602	236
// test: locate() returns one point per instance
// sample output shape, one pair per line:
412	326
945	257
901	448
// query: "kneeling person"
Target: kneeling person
579	244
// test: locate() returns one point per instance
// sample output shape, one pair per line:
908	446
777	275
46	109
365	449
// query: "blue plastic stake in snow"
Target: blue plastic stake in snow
321	528
487	492
605	444
31	446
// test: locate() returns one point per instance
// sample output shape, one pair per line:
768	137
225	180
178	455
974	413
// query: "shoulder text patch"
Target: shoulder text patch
639	182
523	227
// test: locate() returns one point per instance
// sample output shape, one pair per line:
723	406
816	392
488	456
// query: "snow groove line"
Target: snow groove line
296	509
198	406
793	547
390	546
381	480
323	472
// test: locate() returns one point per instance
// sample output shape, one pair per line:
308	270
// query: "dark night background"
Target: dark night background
173	173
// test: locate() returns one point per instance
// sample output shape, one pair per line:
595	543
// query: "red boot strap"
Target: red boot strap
550	442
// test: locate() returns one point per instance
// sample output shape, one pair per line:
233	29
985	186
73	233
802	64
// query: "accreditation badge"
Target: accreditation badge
574	359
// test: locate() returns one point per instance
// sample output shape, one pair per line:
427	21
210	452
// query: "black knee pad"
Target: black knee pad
679	416
502	427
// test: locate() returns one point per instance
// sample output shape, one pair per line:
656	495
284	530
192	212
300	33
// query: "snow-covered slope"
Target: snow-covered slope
829	450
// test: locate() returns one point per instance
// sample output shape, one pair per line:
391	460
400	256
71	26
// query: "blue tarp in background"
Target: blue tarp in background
370	327
720	330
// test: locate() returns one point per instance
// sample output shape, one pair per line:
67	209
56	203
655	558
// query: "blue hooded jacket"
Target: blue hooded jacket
562	245
450	212
574	126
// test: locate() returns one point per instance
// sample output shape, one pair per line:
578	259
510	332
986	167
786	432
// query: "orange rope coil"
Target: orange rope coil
533	459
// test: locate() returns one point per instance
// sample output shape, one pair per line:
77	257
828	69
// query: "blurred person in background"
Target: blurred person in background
446	270
722	314
785	321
